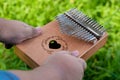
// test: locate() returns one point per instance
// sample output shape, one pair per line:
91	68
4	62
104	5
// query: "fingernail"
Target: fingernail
75	53
38	29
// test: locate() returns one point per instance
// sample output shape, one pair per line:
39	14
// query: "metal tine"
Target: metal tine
83	34
102	30
89	37
81	16
92	37
72	24
80	31
97	27
94	24
79	34
76	13
85	18
72	12
62	20
91	22
89	19
78	26
76	30
79	19
81	37
93	40
88	34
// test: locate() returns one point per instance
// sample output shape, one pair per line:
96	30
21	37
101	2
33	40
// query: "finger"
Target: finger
28	34
75	53
36	31
83	63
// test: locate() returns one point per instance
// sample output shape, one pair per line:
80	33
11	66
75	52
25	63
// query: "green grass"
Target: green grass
104	65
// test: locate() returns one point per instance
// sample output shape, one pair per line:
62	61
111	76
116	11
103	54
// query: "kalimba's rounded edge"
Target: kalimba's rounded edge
25	58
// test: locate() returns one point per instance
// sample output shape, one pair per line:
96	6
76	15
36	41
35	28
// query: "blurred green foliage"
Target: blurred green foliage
104	65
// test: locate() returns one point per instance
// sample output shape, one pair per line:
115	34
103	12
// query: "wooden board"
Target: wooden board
36	50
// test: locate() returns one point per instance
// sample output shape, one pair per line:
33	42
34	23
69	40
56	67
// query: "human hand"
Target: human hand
13	32
61	66
58	66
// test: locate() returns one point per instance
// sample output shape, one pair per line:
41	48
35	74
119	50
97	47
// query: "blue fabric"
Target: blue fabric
5	75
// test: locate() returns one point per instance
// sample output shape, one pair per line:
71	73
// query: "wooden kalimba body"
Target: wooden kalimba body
35	51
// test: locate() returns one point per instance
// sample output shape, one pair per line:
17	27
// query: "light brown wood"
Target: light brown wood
36	50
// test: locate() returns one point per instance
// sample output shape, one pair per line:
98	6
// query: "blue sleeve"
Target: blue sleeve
5	75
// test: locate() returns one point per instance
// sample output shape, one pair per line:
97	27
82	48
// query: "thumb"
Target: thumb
36	31
31	33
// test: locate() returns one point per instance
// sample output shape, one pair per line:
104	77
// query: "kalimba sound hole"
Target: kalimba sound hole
54	44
